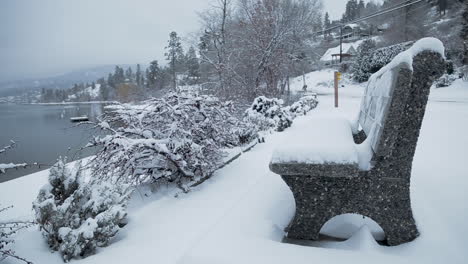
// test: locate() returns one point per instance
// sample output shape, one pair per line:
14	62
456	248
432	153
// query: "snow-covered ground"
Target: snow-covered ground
238	216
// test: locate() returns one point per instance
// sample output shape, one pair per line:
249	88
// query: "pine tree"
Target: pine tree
464	33
129	74
110	80
138	75
119	75
193	66
327	23
174	54
147	84
152	74
360	8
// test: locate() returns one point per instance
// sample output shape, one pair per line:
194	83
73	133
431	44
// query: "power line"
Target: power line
379	13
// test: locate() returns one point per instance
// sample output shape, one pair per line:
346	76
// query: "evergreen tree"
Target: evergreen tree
129	74
326	23
110	80
360	8
147	83
193	66
119	76
104	91
152	74
352	11
138	75
174	54
464	33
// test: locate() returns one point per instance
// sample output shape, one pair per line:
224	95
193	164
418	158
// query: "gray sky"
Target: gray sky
41	38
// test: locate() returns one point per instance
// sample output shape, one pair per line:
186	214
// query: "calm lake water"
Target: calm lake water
42	133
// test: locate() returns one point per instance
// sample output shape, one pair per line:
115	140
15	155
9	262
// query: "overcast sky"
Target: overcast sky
40	38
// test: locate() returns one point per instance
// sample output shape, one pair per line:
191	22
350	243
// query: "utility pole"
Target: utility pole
341	43
406	19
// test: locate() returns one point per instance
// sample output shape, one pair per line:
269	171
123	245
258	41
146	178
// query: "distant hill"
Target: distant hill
63	81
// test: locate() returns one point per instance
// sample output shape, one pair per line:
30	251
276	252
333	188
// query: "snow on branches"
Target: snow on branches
371	60
78	215
267	113
7	229
179	138
4	167
303	105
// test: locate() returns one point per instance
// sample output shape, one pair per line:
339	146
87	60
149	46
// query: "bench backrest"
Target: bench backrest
395	100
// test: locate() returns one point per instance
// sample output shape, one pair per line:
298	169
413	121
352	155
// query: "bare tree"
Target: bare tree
215	46
253	45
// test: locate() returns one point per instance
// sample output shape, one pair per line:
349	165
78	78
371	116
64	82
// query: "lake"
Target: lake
43	133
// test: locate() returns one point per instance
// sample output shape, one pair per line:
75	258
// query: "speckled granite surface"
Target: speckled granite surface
322	191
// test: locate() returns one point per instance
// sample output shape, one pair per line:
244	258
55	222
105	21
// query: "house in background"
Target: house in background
332	55
351	32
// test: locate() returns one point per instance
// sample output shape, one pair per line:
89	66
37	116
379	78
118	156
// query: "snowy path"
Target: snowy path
238	215
252	231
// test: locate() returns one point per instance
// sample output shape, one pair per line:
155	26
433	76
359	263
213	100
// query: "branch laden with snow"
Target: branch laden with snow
179	138
4	167
7	229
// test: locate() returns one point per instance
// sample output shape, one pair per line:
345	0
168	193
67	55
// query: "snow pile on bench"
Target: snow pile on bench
318	141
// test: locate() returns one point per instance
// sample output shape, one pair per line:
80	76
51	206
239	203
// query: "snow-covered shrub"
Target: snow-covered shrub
79	215
464	73
373	62
180	138
445	80
362	66
303	105
267	113
7	229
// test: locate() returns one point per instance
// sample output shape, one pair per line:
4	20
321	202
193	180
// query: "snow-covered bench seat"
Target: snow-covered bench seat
317	141
333	167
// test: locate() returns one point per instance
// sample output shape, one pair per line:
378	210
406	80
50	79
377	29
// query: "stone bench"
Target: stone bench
363	168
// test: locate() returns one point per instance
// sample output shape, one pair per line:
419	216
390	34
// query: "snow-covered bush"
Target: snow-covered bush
362	66
79	215
371	63
445	80
303	105
464	72
267	113
180	138
7	229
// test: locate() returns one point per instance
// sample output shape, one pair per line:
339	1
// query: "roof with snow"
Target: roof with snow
348	48
352	25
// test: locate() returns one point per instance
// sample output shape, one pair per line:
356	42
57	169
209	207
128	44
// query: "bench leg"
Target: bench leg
311	208
318	199
395	216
